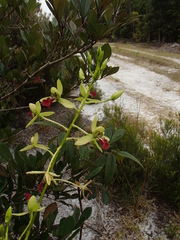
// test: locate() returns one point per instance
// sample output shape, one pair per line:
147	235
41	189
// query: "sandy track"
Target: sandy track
147	95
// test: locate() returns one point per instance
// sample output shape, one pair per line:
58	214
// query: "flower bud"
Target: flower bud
32	107
8	215
103	66
32	204
82	90
116	95
89	58
81	74
55	91
100	55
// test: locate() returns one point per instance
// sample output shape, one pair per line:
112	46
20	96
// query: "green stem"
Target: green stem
56	123
7	229
80	129
55	155
47	150
29	224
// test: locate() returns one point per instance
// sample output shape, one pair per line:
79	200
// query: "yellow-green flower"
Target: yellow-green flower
34	144
97	133
57	92
36	112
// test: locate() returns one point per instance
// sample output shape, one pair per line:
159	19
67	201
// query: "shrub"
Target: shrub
165	161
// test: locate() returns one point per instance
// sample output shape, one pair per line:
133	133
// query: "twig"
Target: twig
81	209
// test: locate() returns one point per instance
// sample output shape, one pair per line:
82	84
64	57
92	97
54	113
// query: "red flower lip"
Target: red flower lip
104	144
47	102
30	114
27	196
92	94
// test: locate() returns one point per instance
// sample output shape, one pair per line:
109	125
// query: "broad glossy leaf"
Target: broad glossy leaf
84	216
94	173
50	214
105	197
65	227
107	51
108	132
110	168
83	151
5	153
128	155
117	135
85	7
100	162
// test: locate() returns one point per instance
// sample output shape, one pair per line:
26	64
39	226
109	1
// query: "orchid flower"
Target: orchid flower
97	133
36	112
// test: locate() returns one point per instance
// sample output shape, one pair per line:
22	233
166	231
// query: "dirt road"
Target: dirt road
147	95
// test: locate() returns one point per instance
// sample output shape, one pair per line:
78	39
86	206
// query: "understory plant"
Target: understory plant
75	166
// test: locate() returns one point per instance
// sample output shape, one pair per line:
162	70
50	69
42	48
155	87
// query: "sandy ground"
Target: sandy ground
147	95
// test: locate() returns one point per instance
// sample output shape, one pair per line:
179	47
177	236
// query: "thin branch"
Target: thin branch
45	66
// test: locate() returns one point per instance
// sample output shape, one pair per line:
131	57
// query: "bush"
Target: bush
165	161
129	175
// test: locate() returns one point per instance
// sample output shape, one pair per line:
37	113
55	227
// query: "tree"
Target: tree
31	46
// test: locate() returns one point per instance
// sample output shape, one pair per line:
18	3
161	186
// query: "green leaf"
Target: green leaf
107	51
85	7
5	153
110	168
3	172
65	227
94	173
108	132
105	197
128	155
50	214
117	135
100	162
83	151
31	5
84	216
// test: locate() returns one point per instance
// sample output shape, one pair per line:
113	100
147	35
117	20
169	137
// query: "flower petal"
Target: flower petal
31	122
59	87
94	124
66	103
84	140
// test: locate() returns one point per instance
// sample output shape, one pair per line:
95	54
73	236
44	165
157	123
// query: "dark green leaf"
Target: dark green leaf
117	135
65	227
83	151
73	235
76	214
110	168
128	155
105	197
3	171
107	51
94	173
84	216
5	153
85	7
108	132
100	162
31	5
50	214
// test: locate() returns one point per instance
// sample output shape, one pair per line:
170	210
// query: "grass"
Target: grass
155	60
